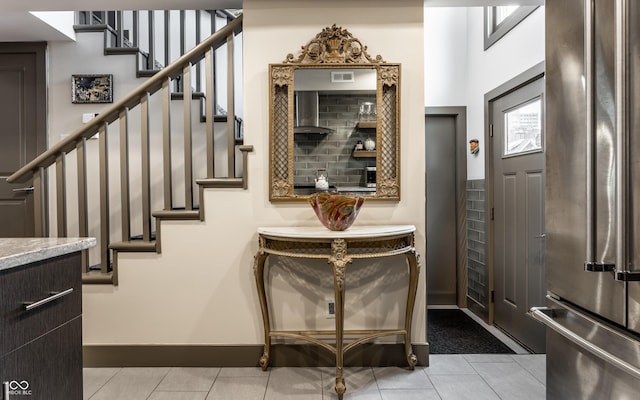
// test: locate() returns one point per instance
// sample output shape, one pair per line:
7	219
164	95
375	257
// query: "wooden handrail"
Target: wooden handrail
117	116
112	113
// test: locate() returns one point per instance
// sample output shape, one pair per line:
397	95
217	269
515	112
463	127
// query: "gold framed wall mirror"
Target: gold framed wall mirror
334	121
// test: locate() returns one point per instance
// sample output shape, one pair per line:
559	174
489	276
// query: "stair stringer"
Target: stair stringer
140	55
178	211
199	290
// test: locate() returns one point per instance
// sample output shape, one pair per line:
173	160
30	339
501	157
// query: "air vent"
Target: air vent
342	76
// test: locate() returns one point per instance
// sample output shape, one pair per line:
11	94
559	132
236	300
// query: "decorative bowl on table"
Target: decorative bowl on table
336	211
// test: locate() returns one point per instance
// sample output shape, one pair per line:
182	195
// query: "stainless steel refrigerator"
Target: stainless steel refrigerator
592	199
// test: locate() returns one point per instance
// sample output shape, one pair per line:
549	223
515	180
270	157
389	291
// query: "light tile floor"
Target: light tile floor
448	377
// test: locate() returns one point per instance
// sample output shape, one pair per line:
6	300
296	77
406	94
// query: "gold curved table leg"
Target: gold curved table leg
340	386
414	271
258	271
339	261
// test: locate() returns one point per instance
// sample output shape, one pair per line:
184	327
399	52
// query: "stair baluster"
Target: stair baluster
105	231
166	144
83	204
185	66
125	199
146	167
61	191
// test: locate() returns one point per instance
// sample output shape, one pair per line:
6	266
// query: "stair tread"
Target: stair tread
134	246
90	28
177	214
194	95
97	278
221	182
121	50
146	72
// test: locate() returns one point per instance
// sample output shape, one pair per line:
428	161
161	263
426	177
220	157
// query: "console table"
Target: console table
339	248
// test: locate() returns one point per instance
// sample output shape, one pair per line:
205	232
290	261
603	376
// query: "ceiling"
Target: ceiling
481	3
17	24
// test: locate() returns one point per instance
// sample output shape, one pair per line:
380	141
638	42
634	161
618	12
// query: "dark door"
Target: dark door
22	131
441	209
446	179
519	189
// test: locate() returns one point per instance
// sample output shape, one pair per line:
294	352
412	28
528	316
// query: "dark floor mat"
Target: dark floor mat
451	331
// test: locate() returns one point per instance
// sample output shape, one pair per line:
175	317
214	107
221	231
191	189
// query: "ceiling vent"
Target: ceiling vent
342	76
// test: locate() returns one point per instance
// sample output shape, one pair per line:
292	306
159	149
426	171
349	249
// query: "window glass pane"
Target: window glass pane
499	20
502	12
523	128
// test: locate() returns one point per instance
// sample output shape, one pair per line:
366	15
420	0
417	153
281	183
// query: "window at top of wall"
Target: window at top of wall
498	20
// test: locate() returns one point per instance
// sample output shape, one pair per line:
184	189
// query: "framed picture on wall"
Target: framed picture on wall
92	89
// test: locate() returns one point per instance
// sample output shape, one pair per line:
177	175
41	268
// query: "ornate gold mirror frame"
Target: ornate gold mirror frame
334	48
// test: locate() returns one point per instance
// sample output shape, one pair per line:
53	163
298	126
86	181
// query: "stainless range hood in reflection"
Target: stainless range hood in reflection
307	114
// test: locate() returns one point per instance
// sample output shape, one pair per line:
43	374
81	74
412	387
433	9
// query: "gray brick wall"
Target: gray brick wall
333	151
476	241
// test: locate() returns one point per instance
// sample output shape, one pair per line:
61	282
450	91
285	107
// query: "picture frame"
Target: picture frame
90	89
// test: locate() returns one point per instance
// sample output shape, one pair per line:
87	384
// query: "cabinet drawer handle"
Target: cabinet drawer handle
54	296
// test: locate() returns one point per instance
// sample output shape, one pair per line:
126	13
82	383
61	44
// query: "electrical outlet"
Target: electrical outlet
330	308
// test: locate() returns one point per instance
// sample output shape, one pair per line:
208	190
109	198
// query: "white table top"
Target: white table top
19	251
354	232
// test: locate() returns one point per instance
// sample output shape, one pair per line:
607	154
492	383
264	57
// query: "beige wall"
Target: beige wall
200	289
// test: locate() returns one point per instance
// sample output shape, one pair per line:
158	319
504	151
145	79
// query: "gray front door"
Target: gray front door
22	130
518	201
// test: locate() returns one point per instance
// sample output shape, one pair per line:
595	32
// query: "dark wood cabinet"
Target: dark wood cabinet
41	347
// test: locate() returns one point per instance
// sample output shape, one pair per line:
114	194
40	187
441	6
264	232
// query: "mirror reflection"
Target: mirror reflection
334	130
334	121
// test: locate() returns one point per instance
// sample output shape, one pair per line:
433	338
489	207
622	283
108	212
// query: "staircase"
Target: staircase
153	182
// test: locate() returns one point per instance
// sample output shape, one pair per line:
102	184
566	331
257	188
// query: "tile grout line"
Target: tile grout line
159	382
432	385
266	386
214	382
107	381
485	381
531	373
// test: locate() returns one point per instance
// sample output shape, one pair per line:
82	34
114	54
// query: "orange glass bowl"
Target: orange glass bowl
336	212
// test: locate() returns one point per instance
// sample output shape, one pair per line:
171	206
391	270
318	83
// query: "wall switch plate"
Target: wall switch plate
86	117
330	308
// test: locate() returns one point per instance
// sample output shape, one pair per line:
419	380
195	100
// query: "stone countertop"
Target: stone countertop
20	251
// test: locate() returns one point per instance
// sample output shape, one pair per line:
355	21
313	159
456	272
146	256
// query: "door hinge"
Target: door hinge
493	214
492	296
490	130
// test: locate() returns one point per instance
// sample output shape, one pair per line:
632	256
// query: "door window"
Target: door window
523	128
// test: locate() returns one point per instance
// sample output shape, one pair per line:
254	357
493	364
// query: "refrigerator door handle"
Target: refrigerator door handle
627	276
541	314
589	39
622	276
599	267
622	135
621	148
589	42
